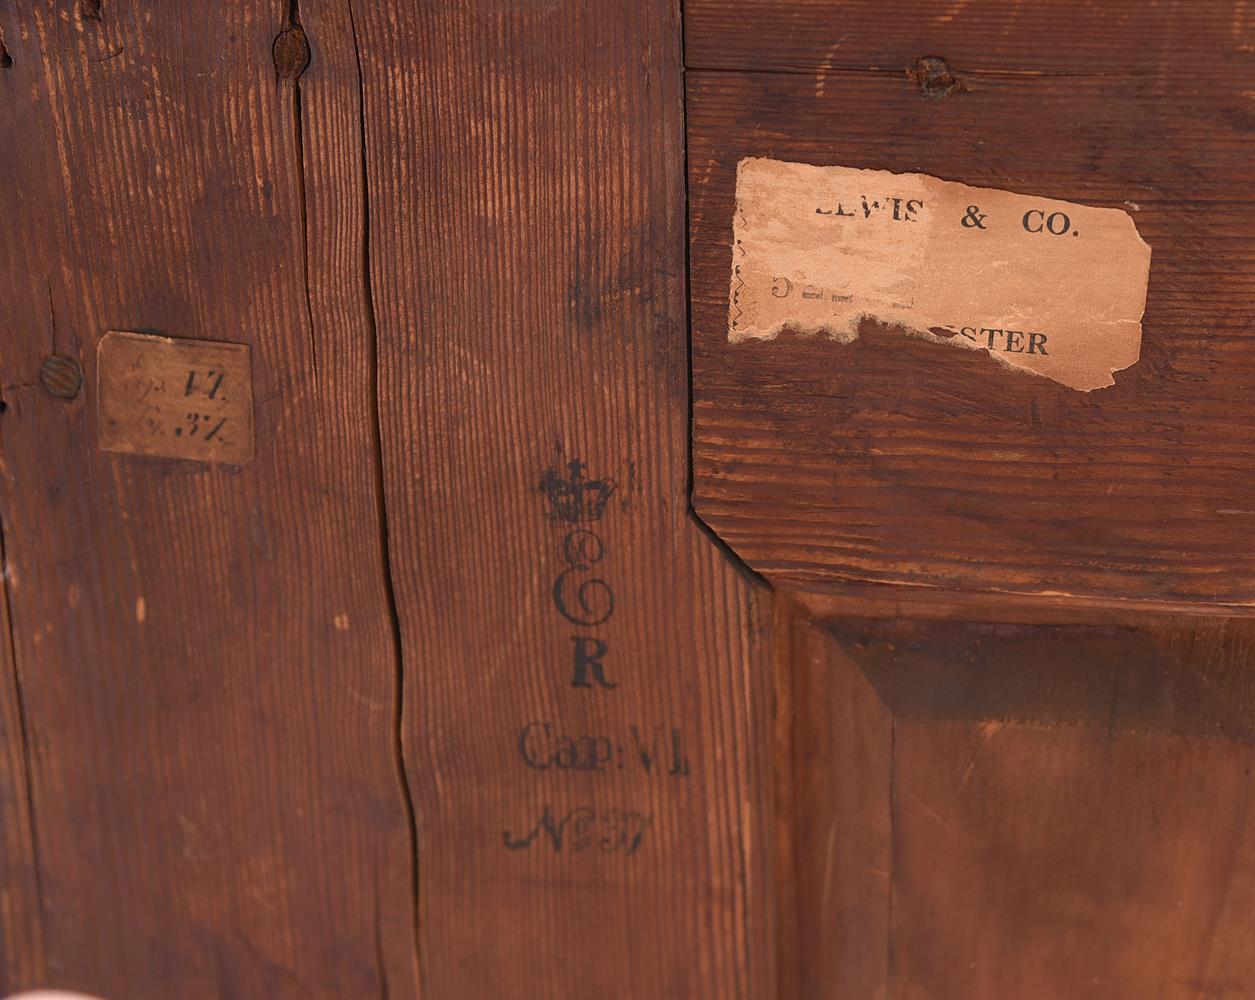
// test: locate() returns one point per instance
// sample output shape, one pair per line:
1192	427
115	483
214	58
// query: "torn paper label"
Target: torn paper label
1046	286
190	399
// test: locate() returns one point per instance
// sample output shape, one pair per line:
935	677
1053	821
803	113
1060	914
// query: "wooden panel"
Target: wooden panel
22	964
1005	37
1069	862
837	763
1185	675
527	264
1031	810
205	652
902	462
1066	852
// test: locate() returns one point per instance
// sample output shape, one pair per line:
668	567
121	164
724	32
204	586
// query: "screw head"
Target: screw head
934	77
62	377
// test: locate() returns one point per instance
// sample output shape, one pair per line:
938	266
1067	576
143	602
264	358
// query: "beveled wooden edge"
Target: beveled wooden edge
877	600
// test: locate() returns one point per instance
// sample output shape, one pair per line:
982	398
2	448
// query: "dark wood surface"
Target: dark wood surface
1181	675
272	712
527	263
1014	750
1070	861
904	463
835	767
205	653
1209	39
22	956
1080	839
279	728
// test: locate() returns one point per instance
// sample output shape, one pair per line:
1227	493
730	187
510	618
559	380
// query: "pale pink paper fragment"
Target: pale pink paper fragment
1045	286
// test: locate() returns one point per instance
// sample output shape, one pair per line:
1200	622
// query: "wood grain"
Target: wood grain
1184	675
206	654
901	463
972	814
836	937
1069	717
1115	38
22	961
444	296
525	178
342	721
1068	862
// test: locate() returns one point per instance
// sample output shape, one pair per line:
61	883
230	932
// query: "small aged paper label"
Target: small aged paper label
175	398
1046	286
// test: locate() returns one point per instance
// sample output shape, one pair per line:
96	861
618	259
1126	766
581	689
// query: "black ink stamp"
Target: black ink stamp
577	499
579	593
610	830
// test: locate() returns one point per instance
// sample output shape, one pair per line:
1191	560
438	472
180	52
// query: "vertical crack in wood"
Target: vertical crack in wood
890	951
293	20
381	502
381	965
52	318
27	773
24	735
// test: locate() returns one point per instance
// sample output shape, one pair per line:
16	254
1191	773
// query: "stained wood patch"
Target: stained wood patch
189	399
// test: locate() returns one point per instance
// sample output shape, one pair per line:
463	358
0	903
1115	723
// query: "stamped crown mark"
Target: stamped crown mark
575	499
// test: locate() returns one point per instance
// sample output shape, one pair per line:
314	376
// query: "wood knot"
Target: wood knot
934	77
290	52
62	377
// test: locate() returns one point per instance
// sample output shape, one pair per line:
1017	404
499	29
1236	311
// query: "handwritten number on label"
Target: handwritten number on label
213	379
194	426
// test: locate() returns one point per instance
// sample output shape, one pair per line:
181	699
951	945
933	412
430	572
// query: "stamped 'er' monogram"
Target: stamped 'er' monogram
581	596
